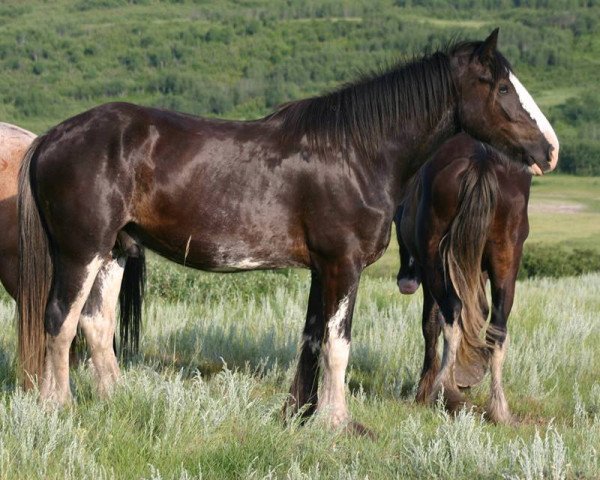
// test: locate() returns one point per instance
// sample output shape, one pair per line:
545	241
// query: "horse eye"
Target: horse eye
503	89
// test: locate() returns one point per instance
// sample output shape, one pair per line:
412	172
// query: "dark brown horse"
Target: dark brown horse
464	219
14	142
316	185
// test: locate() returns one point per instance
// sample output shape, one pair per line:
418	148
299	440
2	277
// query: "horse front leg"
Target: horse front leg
304	389
340	286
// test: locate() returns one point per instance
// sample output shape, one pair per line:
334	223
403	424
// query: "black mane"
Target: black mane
364	113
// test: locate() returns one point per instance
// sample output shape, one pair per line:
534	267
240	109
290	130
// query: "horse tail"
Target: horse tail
35	275
131	298
462	251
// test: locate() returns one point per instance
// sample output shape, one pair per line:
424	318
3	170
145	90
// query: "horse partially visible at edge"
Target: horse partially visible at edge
315	185
464	220
14	142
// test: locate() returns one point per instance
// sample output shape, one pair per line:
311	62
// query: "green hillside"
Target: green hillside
241	59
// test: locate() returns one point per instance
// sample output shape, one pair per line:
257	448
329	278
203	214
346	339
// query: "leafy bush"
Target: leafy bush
580	157
543	261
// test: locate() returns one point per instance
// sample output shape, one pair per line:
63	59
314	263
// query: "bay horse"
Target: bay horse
14	142
464	220
315	184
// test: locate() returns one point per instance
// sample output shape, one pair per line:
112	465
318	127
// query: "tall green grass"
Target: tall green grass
203	399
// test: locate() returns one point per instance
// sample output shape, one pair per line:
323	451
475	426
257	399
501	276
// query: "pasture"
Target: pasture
203	399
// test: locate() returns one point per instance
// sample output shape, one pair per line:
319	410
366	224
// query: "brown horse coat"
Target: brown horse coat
464	219
316	184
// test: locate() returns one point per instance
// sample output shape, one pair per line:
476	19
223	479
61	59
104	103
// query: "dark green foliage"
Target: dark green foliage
242	59
580	157
580	119
553	261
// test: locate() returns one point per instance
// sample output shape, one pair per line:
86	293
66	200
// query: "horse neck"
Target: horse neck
415	145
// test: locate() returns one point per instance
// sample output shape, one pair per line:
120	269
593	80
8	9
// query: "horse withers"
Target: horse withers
314	185
464	219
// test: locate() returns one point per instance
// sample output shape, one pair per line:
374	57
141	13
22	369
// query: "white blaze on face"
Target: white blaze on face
543	124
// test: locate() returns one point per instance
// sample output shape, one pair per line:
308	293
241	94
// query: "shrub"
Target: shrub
543	261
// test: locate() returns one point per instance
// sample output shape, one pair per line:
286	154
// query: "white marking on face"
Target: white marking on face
542	122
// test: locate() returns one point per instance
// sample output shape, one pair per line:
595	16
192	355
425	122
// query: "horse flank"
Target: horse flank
462	250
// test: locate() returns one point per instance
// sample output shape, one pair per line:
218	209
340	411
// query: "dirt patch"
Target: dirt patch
536	207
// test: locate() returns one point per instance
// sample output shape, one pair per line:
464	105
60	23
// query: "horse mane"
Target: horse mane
364	113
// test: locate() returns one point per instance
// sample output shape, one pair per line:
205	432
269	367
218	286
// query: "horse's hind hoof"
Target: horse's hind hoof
359	430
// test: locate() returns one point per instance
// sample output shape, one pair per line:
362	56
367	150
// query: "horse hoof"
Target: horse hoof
408	286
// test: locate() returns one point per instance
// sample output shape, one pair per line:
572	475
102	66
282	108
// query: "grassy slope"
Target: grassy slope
59	58
166	422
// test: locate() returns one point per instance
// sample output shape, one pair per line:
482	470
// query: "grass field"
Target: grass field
203	400
204	397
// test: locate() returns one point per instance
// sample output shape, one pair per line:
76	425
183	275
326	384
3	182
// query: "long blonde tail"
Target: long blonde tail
462	251
35	274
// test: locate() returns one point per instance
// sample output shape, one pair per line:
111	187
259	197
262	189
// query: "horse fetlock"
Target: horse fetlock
497	409
107	373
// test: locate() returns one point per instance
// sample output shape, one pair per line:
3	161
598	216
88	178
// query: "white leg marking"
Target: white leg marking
99	325
498	406
543	124
334	357
55	383
445	378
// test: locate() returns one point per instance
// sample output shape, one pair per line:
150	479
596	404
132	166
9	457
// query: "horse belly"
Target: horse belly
207	247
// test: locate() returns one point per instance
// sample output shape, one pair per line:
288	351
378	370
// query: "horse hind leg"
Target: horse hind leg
98	321
431	327
454	400
72	283
497	408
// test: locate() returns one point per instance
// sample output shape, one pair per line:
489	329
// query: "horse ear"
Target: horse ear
487	49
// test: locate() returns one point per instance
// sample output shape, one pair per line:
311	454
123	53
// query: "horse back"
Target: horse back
213	194
432	202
